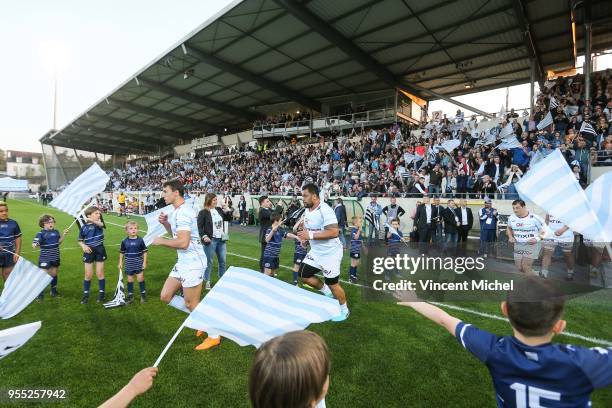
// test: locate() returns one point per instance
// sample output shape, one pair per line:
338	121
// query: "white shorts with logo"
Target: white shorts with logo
527	250
328	265
551	244
190	275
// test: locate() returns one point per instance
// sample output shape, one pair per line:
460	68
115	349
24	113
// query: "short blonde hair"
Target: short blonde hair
127	224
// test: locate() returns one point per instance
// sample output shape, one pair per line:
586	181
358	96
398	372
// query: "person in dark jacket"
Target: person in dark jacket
452	220
212	228
340	211
242	210
265	222
466	220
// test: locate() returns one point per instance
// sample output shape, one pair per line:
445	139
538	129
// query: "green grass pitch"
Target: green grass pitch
382	356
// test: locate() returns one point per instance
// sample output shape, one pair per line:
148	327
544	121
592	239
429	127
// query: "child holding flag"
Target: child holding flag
91	240
49	240
274	239
10	241
134	251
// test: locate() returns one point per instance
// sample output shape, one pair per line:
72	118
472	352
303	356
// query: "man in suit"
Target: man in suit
340	211
438	221
466	219
452	220
265	214
423	220
488	187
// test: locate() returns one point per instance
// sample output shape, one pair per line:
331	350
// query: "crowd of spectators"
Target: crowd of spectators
399	162
281	118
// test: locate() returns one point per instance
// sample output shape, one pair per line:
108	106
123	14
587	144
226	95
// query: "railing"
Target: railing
336	122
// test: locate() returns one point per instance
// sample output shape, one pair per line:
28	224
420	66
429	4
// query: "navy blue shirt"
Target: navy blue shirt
355	242
299	248
91	235
9	232
273	247
49	242
133	250
549	375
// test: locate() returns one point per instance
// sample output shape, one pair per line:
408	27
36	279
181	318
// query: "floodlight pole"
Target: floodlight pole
531	83
587	61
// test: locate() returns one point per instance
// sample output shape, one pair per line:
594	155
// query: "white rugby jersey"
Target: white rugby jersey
184	218
556	224
316	220
527	227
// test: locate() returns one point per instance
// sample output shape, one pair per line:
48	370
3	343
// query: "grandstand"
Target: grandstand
350	64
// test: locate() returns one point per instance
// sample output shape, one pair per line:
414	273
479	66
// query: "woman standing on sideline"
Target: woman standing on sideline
213	234
242	209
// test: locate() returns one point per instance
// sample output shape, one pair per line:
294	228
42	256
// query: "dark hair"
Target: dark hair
208	198
289	371
519	202
275	217
175	185
311	188
262	199
534	306
45	218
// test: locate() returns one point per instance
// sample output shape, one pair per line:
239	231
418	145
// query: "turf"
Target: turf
382	356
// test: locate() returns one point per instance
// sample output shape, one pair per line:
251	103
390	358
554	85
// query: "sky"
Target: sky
95	46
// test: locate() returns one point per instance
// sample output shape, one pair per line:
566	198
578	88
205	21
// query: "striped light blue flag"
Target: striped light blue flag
250	308
551	185
25	282
82	189
599	194
154	228
507	131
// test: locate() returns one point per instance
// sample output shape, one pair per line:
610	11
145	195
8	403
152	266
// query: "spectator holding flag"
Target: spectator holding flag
49	240
10	241
372	216
91	240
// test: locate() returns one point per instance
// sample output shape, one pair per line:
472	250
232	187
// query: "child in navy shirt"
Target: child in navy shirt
49	240
301	249
395	238
91	240
274	239
355	248
10	241
527	369
134	252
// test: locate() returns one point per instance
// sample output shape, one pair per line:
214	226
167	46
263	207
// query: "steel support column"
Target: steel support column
587	61
531	83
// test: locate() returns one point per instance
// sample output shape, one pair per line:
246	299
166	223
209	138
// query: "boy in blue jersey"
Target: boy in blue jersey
10	241
395	237
301	249
355	247
134	251
49	240
91	240
274	239
527	369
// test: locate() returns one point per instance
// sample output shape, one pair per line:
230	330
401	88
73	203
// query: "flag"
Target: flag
119	296
508	144
154	228
251	308
599	194
81	190
14	337
553	103
536	157
547	121
502	111
552	186
587	128
371	217
451	145
507	131
24	284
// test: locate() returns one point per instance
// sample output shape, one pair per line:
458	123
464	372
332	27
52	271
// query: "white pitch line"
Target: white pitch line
594	340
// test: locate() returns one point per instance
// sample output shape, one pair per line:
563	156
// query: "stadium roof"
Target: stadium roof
256	53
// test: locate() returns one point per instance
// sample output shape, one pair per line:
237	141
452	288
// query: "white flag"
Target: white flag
81	190
14	337
24	284
587	128
508	144
154	228
553	103
251	308
547	121
552	186
502	112
599	194
507	131
451	145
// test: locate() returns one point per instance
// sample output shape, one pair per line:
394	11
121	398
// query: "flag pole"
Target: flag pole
165	350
